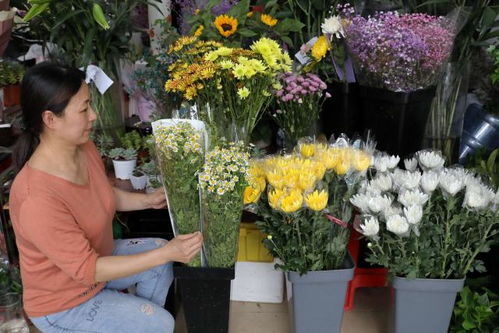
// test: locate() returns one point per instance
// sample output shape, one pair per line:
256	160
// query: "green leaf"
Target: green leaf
35	10
488	18
66	17
289	25
240	10
491	35
287	40
245	32
492	161
270	3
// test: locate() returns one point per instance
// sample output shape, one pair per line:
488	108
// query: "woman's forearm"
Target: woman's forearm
116	267
128	201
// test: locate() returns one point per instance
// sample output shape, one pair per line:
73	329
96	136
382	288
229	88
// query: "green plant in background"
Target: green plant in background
132	140
476	312
103	143
151	78
10	278
487	167
89	32
180	154
222	183
122	154
494	52
238	24
11	73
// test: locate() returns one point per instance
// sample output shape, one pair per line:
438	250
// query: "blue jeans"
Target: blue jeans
112	311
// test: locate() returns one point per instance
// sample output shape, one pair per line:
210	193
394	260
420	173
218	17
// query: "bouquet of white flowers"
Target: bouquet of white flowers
426	222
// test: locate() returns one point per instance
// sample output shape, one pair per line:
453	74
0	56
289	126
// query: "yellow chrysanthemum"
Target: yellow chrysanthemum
292	202
268	20
342	167
226	25
320	48
249	14
361	161
251	195
243	92
226	64
199	31
275	178
307	150
316	200
274	197
306	180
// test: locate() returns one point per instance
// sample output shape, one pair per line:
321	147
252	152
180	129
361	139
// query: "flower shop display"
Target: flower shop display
303	200
426	224
180	149
298	104
11	75
231	86
89	32
234	23
222	182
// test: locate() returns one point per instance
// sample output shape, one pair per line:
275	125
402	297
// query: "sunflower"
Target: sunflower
268	20
226	25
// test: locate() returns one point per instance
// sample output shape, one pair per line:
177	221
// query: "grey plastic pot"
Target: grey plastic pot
316	299
424	305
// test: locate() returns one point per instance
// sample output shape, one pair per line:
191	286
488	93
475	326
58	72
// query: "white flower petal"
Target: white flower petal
370	227
397	224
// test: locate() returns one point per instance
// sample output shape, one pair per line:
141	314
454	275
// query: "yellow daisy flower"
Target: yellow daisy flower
243	92
268	20
316	200
226	25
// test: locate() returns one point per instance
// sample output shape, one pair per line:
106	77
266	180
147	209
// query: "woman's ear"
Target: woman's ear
49	119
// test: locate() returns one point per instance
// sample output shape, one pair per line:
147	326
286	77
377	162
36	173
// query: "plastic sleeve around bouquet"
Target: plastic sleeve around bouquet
180	147
221	220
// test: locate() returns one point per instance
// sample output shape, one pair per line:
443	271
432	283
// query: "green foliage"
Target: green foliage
10	73
10	278
494	52
103	142
487	167
476	312
122	154
86	31
132	140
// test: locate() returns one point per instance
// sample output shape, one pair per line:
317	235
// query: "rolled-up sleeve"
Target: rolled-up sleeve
49	226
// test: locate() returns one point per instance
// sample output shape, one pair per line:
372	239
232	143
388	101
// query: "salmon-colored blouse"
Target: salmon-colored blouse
61	229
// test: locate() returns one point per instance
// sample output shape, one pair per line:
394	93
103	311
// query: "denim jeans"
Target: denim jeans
112	311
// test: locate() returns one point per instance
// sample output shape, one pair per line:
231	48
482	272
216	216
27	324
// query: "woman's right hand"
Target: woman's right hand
184	247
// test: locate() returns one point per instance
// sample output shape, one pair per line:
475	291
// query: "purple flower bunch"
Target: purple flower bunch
399	52
296	87
223	7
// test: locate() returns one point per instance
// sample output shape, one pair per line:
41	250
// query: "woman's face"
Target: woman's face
76	122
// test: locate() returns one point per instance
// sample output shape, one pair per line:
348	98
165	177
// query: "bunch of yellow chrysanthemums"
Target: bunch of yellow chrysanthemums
298	180
235	82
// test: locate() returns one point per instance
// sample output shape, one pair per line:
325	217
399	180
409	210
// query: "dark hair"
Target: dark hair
46	86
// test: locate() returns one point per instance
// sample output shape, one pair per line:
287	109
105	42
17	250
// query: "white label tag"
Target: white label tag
301	55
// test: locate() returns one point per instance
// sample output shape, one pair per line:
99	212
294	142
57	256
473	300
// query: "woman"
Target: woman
62	206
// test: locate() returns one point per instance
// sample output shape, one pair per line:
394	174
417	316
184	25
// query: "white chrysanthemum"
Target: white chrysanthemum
382	182
429	181
361	201
430	160
406	179
411	164
413	214
370	227
372	190
450	183
414	197
397	224
390	211
478	196
496	198
332	26
379	203
384	162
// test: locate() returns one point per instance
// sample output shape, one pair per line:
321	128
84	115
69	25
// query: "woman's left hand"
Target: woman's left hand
156	199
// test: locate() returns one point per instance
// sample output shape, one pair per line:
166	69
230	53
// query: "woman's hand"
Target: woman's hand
156	199
183	247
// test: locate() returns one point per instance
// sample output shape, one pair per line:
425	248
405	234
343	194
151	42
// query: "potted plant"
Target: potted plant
398	59
426	226
124	161
11	74
138	178
303	201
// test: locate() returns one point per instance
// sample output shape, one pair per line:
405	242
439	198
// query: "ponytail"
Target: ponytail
24	148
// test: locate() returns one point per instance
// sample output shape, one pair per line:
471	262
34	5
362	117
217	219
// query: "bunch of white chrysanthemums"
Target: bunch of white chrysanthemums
399	197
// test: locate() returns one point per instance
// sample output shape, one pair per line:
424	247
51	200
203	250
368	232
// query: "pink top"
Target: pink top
61	229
